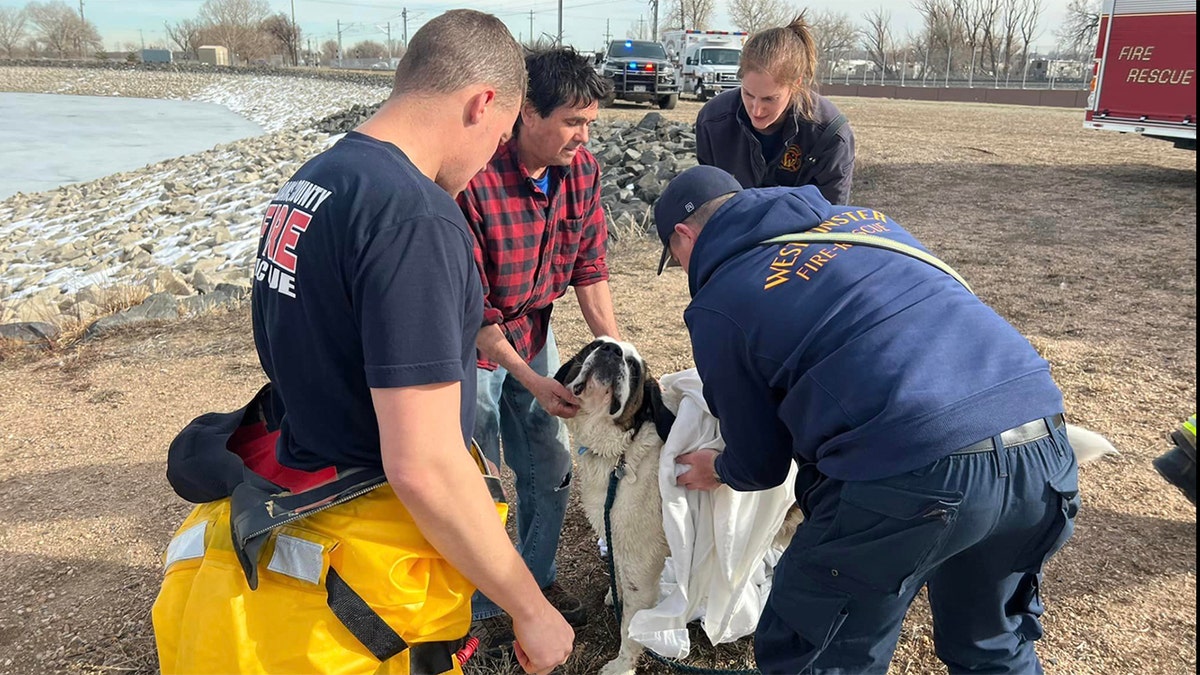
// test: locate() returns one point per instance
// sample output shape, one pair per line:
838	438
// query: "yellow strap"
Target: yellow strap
873	241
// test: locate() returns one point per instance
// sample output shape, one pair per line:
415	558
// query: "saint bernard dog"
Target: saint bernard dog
621	426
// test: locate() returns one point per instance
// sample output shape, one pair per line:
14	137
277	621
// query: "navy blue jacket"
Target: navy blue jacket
724	139
865	361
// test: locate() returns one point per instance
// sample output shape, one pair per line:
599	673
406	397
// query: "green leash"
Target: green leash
614	478
874	242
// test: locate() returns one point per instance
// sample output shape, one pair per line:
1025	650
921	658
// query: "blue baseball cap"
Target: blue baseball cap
684	194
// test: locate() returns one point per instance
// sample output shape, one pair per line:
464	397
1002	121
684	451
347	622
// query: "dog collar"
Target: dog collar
583	449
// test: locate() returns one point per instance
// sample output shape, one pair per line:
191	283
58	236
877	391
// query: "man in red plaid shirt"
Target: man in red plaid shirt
539	228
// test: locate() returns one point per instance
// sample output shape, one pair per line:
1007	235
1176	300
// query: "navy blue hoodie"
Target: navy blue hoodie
866	361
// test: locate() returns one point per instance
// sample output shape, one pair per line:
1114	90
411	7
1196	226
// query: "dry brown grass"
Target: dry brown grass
1084	240
71	327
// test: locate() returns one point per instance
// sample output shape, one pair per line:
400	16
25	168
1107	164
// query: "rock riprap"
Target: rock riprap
184	231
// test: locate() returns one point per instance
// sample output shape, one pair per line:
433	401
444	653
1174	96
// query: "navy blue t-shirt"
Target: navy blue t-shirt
771	144
365	278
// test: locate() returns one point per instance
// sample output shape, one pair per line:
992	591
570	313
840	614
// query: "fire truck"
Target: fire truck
1144	73
707	59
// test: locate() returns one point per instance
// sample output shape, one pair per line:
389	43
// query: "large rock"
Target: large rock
168	281
28	331
36	309
227	298
649	187
651	121
157	307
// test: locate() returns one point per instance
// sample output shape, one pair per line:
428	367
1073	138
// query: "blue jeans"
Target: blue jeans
976	528
536	449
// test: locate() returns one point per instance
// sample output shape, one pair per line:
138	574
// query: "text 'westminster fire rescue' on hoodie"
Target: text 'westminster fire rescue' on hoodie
866	361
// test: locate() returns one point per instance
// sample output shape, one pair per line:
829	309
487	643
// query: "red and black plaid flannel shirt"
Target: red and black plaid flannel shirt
530	246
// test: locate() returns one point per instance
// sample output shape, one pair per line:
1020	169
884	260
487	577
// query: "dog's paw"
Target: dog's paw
617	666
608	601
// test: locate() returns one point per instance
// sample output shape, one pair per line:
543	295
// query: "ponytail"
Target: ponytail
789	56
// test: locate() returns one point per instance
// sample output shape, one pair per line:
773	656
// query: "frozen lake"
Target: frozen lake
47	140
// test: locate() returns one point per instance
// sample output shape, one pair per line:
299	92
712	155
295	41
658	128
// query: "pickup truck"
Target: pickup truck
640	72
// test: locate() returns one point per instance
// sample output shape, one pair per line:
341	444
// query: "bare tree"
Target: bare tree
61	31
1031	11
235	24
835	34
329	50
12	29
186	36
945	29
753	16
985	15
52	25
638	30
693	14
367	49
1010	21
1077	35
877	38
285	34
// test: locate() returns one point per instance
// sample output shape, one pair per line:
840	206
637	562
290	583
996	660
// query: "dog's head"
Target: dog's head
611	379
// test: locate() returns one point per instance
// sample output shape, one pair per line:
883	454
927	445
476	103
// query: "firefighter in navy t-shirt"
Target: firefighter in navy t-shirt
366	304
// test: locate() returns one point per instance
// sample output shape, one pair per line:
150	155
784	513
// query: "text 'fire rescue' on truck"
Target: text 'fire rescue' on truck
1144	78
640	72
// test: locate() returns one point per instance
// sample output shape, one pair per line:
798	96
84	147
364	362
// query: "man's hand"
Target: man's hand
554	398
702	473
543	642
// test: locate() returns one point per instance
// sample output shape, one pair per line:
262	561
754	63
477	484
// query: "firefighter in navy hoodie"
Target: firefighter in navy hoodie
774	129
929	432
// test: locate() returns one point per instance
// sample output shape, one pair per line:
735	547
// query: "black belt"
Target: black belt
1026	433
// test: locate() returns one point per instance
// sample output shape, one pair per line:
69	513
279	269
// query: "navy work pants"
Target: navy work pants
976	528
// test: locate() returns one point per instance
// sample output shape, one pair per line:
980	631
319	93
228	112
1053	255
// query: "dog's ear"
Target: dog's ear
570	370
652	401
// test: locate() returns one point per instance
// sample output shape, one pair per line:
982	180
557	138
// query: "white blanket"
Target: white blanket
721	555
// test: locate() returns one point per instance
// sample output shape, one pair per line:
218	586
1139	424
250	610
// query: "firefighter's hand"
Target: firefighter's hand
701	471
554	397
544	642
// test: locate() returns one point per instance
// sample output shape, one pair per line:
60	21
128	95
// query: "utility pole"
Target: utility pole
295	35
654	18
607	32
81	11
389	34
143	36
641	27
558	42
339	32
531	39
404	16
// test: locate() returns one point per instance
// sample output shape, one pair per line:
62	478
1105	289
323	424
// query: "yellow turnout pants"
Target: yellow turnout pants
208	620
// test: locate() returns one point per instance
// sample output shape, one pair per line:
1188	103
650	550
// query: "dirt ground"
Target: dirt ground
1085	240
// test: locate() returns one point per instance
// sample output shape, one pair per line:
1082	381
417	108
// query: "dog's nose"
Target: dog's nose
611	347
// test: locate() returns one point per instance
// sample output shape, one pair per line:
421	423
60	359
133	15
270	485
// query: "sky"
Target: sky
584	21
